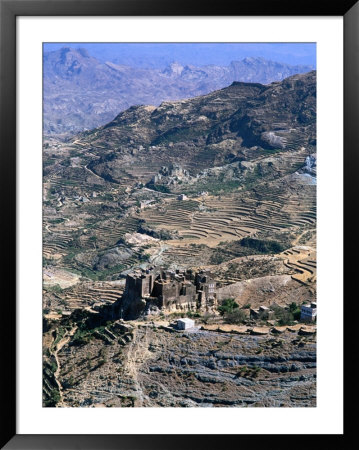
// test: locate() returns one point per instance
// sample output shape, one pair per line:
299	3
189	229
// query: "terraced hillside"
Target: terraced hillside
239	153
225	182
85	295
235	122
304	261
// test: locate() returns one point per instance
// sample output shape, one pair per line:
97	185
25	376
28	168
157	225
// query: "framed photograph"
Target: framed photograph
174	185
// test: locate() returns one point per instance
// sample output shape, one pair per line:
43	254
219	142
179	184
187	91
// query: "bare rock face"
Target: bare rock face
271	139
113	257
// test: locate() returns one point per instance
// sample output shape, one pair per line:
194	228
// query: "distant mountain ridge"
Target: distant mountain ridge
81	92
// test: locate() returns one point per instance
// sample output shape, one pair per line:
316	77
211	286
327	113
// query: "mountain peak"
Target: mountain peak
252	59
174	69
101	90
83	52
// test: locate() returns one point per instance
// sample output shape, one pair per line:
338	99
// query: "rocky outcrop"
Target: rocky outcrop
113	258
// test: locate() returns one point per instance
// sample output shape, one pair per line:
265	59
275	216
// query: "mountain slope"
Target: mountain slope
239	122
203	171
80	92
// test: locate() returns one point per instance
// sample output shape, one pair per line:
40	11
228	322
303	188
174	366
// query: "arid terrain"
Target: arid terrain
82	92
223	182
144	364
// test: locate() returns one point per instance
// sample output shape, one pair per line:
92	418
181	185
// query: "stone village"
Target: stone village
156	289
149	291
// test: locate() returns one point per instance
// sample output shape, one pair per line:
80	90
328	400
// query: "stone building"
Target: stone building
171	175
308	313
206	288
159	289
262	313
185	324
174	290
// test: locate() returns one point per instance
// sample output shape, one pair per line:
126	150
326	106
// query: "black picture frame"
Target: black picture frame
9	10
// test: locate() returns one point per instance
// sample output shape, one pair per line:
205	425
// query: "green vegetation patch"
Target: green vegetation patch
159	188
178	134
248	372
287	316
247	246
228	306
252	178
231	312
54	398
262	246
60	333
55	289
84	334
214	186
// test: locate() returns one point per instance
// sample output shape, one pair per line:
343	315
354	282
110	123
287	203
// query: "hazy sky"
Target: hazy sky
160	55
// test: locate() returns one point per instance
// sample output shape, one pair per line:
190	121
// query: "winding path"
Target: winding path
66	338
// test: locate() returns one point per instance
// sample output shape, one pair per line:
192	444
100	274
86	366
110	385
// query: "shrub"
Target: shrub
228	306
237	316
53	366
60	333
284	316
248	372
56	288
81	337
54	398
159	188
294	310
262	246
192	314
207	317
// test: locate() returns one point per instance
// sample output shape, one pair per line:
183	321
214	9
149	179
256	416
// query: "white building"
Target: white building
185	324
308	313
